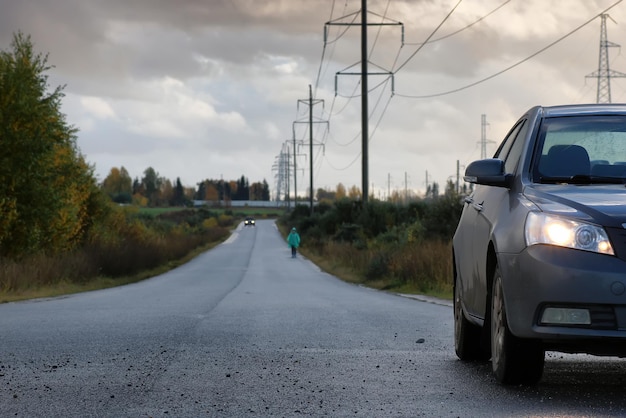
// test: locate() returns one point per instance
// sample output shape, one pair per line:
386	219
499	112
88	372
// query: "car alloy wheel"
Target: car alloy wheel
514	360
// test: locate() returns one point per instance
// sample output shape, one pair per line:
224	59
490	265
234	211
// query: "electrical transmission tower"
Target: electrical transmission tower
283	168
279	177
483	137
604	73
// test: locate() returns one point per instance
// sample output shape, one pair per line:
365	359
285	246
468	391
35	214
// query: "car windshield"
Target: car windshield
582	150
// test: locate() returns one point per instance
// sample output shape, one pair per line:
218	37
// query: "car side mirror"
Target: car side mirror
489	172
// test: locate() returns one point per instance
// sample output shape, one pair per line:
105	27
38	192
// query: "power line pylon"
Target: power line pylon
283	168
483	137
604	73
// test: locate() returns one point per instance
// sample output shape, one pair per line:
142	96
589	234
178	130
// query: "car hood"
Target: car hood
602	204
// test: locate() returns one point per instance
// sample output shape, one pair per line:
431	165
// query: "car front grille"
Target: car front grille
603	317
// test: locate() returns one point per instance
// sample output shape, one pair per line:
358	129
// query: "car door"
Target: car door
484	208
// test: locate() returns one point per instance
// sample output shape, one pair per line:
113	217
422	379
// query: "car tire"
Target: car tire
467	341
514	360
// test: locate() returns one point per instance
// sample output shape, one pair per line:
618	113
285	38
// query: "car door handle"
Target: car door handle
470	201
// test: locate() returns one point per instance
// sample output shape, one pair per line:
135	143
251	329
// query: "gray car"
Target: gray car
540	248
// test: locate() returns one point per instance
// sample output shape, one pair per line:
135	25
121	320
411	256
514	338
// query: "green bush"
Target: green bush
378	266
349	232
407	246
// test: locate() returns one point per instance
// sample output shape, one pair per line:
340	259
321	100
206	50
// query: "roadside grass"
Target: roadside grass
131	250
154	241
420	268
65	286
424	268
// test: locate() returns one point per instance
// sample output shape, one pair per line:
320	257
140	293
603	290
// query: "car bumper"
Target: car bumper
546	276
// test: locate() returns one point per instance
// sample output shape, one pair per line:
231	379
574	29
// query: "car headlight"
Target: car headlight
542	228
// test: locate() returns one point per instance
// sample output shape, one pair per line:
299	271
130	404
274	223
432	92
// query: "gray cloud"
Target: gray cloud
203	88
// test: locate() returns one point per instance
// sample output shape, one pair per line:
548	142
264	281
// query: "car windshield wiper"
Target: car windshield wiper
582	179
607	179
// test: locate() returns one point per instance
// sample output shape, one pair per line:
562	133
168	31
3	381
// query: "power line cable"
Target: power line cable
371	135
430	41
427	96
326	44
352	141
319	70
380	28
342	168
480	19
429	36
381	115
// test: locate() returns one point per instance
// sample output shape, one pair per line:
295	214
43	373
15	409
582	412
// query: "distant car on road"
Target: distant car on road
539	253
249	221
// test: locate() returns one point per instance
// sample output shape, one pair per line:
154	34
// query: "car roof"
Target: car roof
584	109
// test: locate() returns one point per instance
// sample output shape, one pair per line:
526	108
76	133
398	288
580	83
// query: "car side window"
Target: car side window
511	149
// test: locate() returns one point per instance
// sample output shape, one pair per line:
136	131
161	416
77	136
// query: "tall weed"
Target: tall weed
385	245
423	268
126	246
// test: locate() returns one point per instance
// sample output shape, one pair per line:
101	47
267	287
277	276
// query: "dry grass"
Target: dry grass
424	268
100	266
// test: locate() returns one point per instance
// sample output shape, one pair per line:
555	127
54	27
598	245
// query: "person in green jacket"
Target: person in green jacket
294	241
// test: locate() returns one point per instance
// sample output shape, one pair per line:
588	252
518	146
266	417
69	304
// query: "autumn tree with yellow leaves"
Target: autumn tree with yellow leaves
118	185
48	194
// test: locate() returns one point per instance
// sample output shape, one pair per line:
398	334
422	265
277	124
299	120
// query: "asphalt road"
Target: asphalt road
245	330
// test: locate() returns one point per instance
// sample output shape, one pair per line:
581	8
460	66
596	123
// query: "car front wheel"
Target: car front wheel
513	360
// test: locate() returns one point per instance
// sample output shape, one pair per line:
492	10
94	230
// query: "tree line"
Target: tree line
156	191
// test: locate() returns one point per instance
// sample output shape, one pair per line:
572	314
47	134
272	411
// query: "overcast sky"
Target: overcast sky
203	89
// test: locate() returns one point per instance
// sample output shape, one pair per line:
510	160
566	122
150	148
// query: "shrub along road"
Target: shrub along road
245	330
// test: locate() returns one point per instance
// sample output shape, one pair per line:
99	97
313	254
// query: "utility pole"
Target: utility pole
364	90
310	102
483	136
364	104
295	173
311	146
286	169
458	174
295	168
603	73
406	188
